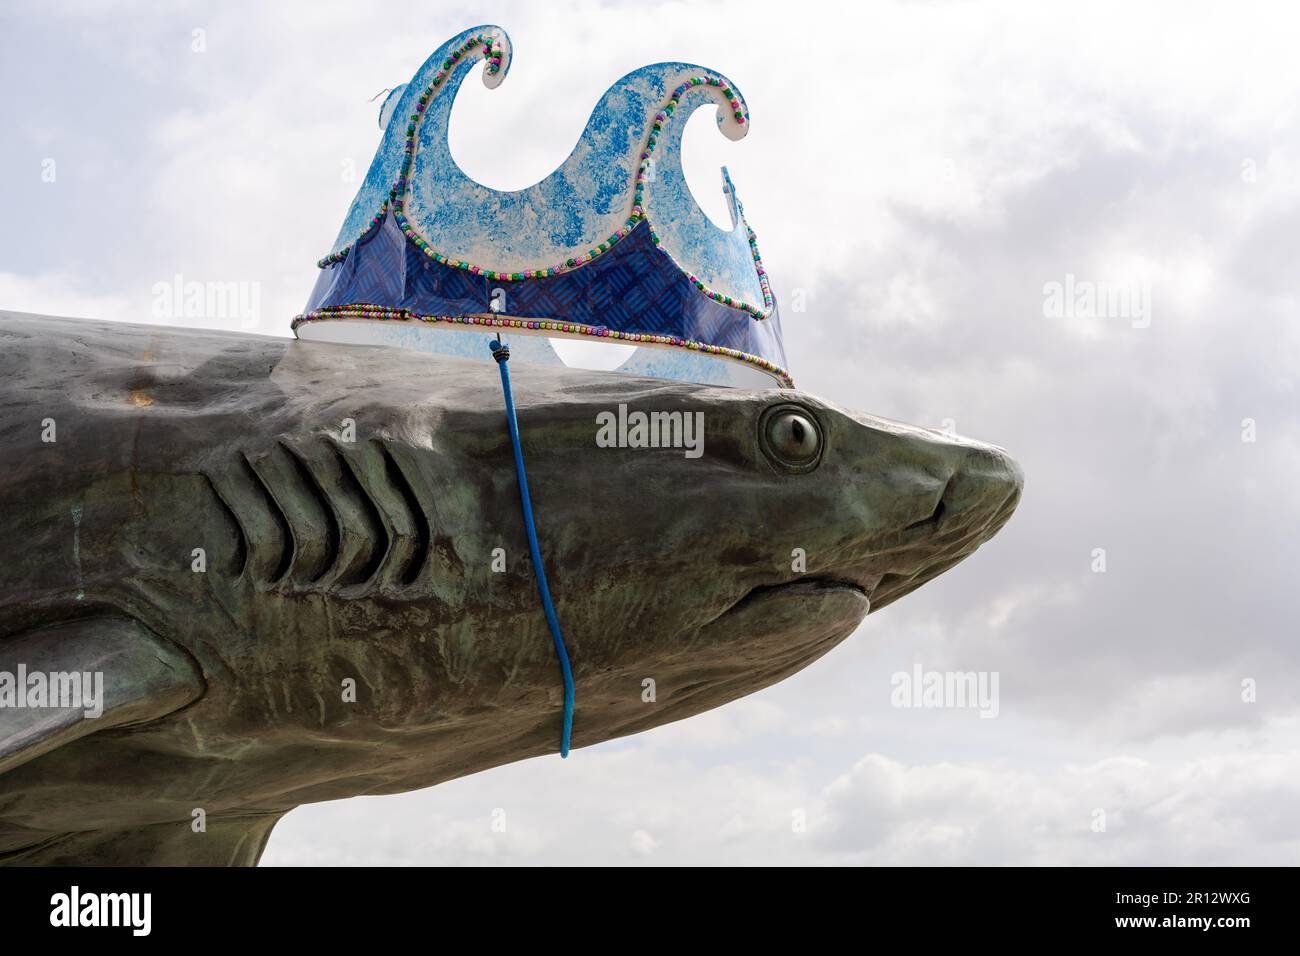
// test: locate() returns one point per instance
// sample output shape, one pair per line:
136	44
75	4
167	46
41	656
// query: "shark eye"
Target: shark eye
791	438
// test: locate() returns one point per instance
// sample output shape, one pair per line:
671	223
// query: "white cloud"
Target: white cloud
54	293
1233	808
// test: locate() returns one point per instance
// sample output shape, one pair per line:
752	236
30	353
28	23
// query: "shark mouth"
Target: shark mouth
813	587
770	633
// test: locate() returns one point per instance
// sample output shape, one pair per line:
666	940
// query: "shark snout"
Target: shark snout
985	488
967	491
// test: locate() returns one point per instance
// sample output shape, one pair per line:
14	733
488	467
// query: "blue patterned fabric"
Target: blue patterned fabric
634	287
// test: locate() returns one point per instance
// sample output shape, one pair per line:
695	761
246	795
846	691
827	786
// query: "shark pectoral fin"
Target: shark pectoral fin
65	681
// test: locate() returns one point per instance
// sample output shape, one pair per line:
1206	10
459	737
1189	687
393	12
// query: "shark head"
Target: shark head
700	542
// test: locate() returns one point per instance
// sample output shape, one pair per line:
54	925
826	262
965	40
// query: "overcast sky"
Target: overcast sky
922	172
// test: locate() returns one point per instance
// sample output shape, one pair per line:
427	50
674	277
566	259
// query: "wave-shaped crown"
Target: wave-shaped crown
611	244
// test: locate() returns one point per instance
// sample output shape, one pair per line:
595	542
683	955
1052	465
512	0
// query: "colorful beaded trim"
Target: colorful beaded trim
542	325
397	194
371	228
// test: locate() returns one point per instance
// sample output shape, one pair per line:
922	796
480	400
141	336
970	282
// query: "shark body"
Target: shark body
301	569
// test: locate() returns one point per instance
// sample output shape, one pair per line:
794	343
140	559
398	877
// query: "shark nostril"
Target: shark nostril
940	509
932	521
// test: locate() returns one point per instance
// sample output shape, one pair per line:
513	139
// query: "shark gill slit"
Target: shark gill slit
332	530
423	532
277	515
381	543
241	536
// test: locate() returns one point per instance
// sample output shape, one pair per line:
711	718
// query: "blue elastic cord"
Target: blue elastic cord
502	354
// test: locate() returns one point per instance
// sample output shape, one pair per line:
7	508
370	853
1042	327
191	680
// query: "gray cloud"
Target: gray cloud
921	189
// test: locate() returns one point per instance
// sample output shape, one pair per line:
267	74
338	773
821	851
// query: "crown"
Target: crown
610	246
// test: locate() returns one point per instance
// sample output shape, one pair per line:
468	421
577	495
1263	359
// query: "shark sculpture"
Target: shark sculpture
348	503
242	573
